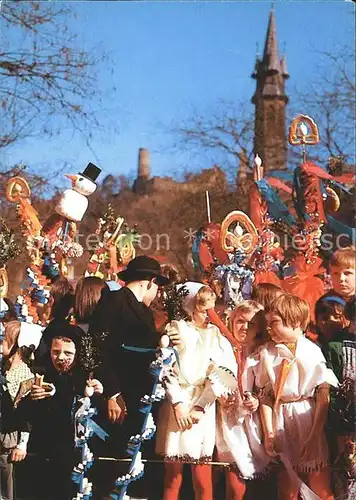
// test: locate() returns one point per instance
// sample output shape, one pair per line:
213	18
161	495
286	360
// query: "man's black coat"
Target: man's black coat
128	323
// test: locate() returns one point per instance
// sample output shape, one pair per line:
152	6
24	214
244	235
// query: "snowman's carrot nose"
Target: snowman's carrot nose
73	178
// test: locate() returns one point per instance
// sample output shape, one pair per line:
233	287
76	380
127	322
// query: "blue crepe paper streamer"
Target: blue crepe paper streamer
276	208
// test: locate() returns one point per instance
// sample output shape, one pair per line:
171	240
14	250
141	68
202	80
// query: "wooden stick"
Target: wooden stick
208	205
144	460
152	461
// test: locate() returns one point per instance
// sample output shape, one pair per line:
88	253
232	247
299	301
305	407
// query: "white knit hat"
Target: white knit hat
188	303
30	334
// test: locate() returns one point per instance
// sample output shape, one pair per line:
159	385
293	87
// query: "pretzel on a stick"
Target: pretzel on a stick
230	241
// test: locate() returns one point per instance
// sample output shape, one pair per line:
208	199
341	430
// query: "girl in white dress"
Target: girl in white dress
239	436
187	425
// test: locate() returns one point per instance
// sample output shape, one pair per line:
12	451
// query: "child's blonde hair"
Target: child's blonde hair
251	306
265	293
344	258
204	294
12	332
292	310
246	306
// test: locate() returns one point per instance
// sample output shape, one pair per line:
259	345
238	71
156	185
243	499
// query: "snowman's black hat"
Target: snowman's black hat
91	172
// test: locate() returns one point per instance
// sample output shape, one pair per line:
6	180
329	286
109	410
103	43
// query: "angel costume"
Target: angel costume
239	432
195	381
289	382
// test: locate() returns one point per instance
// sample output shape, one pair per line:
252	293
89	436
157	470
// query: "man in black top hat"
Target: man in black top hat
126	316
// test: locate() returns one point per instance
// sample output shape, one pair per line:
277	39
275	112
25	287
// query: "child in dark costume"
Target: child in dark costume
50	407
341	358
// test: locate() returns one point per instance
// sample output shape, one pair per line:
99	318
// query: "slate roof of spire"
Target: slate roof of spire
270	54
270	68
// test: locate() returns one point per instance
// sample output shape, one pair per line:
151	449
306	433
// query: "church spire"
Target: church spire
270	59
270	100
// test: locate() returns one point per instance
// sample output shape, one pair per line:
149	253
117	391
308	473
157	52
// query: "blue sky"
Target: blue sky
170	59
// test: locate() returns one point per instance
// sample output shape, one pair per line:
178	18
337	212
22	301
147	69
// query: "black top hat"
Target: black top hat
91	172
143	268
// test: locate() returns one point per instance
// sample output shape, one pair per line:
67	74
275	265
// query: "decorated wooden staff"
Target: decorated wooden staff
313	197
60	228
268	254
49	245
302	132
35	287
238	238
314	200
18	191
116	246
89	358
309	204
165	358
84	427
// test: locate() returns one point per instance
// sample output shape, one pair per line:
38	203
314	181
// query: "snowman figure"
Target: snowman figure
74	202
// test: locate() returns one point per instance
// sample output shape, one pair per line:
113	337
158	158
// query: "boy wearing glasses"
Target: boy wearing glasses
295	381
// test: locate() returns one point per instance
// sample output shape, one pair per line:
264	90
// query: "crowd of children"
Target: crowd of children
275	400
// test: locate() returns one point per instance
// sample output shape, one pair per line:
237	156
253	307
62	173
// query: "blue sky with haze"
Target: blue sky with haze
172	59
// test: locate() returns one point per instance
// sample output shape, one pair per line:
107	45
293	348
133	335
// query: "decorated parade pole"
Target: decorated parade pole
84	427
303	132
166	356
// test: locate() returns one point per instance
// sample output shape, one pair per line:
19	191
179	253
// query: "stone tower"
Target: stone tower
142	184
143	163
270	99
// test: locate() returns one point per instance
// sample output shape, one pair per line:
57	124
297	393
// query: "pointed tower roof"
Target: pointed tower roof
270	71
284	69
270	54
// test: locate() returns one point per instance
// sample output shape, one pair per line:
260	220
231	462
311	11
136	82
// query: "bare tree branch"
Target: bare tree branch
226	133
330	100
46	81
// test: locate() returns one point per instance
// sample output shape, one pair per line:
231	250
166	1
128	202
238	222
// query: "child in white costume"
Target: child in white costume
186	430
239	433
295	380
